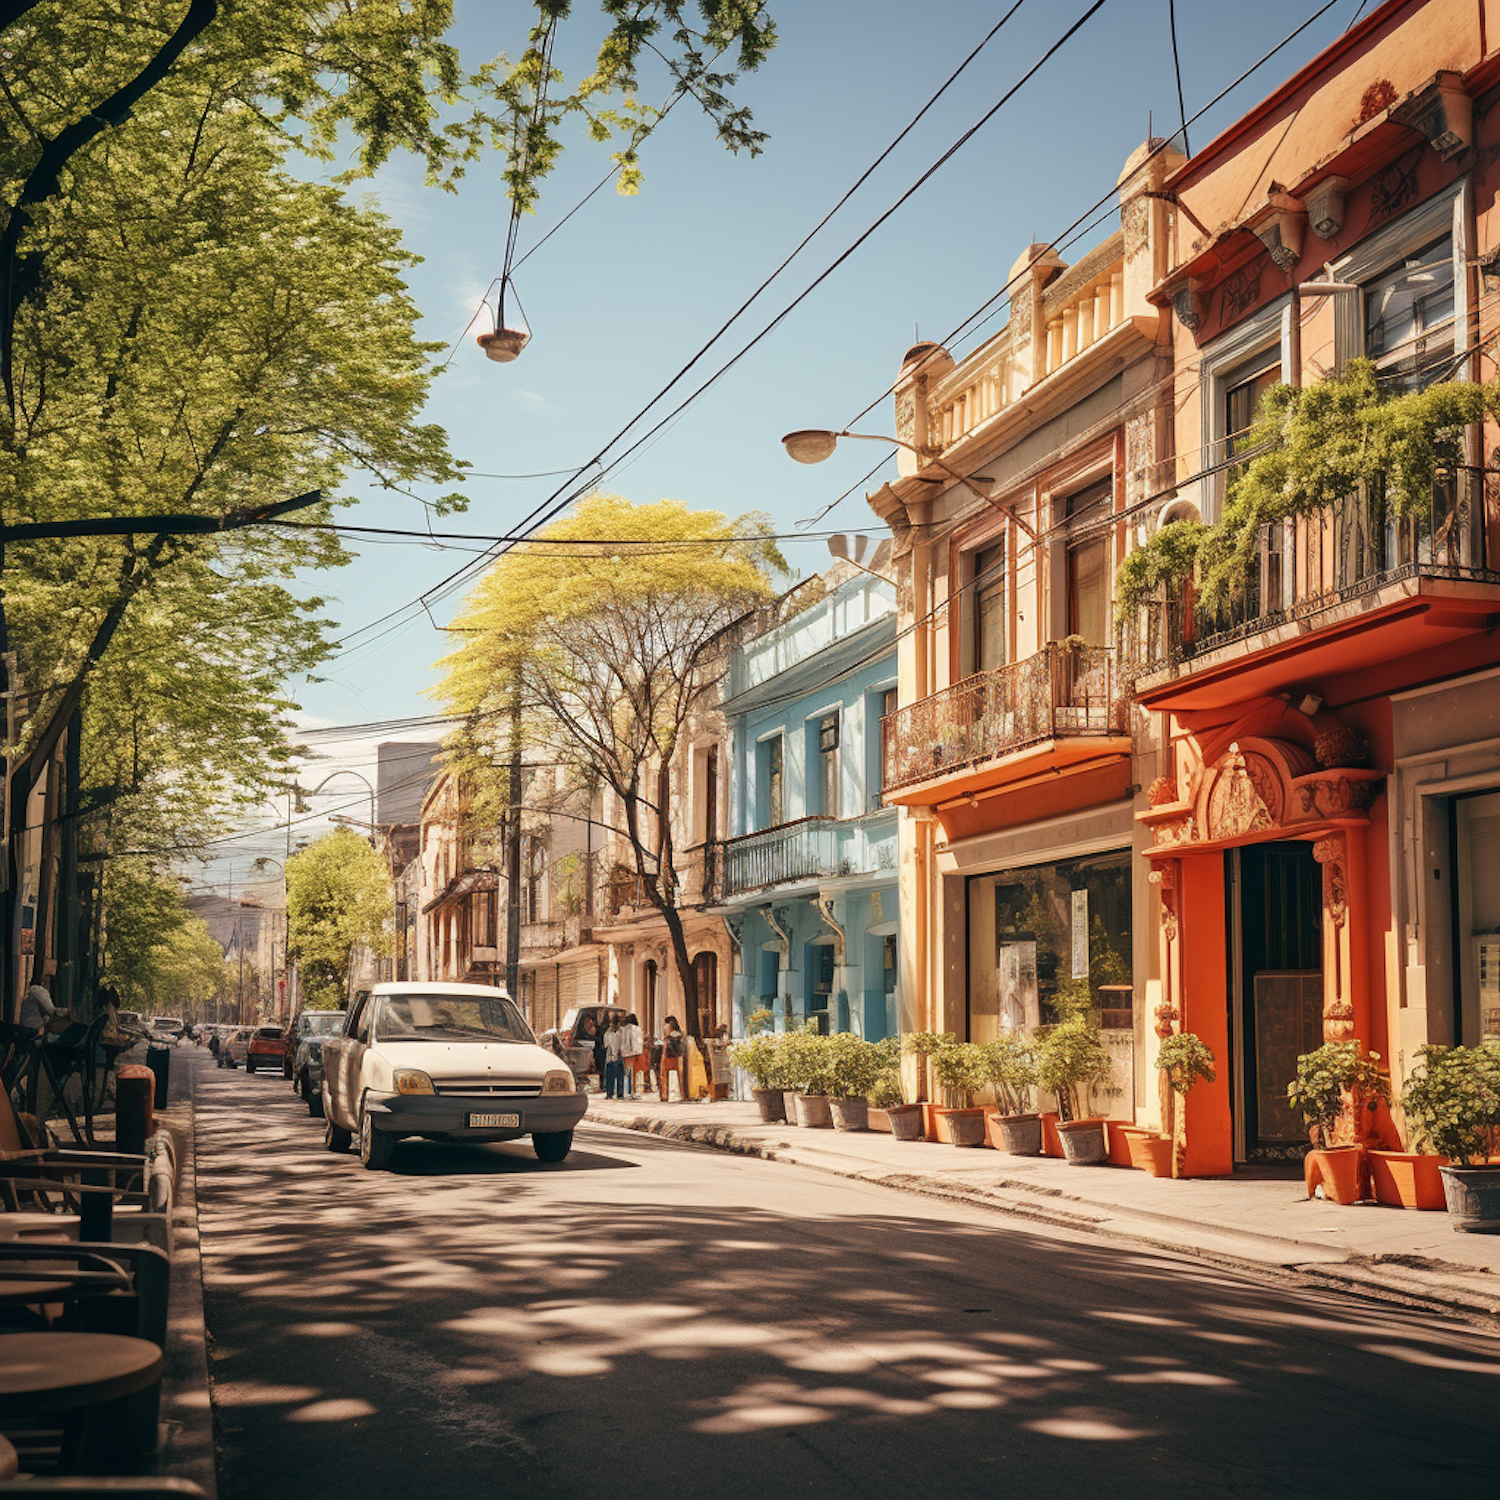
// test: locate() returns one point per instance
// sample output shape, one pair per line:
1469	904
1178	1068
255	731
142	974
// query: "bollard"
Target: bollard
135	1088
159	1060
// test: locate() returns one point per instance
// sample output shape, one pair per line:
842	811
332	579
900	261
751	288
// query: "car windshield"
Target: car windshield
269	1033
443	1018
322	1025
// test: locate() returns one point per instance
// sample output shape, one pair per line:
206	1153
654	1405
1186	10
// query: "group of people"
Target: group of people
623	1059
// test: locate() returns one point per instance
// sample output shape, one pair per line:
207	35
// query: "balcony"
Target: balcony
816	848
1063	697
541	940
1345	589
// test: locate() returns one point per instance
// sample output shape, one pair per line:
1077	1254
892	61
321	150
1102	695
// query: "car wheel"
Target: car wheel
334	1137
249	1065
552	1145
376	1148
313	1097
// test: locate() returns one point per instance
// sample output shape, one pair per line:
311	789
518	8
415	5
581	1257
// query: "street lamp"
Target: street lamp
345	771
811	445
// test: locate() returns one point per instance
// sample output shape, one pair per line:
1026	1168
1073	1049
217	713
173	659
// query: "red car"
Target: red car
266	1049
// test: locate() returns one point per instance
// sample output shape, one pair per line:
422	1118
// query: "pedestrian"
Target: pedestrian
636	1061
598	1045
614	1059
39	1014
673	1055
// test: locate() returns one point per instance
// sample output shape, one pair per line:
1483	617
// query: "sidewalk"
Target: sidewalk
1390	1252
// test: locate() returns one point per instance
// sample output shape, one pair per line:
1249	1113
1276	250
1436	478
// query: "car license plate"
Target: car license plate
494	1122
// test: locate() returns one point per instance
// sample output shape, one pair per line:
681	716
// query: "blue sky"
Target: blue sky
627	290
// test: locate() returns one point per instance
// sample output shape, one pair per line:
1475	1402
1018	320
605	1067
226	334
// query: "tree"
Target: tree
338	898
616	645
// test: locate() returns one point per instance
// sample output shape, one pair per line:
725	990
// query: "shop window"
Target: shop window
1050	941
1476	857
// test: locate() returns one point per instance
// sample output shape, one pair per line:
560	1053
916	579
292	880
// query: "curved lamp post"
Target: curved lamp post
345	771
811	445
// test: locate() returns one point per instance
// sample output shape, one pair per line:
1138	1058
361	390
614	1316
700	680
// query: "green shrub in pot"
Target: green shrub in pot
807	1059
1187	1060
1328	1075
1010	1069
1070	1060
885	1092
853	1065
760	1055
960	1069
1452	1102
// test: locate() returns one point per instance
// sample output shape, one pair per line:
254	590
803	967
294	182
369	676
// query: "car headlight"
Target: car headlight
412	1081
558	1082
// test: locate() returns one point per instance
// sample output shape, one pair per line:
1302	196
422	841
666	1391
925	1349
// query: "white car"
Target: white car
445	1062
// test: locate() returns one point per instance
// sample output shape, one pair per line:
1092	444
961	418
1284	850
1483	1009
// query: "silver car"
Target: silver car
310	1030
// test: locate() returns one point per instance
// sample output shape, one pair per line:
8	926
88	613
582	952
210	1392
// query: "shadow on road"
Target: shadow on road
708	1325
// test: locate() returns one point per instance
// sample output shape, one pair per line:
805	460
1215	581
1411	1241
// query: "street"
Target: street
650	1318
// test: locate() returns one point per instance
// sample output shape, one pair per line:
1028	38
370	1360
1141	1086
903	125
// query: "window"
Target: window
1409	317
990	609
1088	543
1242	397
828	764
772	799
887	710
533	897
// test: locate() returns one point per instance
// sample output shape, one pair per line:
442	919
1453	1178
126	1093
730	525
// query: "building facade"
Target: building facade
808	874
1013	750
1325	825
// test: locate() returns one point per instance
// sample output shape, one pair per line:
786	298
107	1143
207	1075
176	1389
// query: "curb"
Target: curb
1372	1277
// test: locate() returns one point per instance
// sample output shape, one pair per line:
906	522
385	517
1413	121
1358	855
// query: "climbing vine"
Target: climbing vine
1320	445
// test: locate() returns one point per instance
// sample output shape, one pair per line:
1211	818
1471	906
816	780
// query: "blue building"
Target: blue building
809	873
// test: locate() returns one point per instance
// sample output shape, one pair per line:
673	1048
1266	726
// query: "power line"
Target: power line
1177	69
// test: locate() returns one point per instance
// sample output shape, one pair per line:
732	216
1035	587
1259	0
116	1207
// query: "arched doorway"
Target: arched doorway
706	982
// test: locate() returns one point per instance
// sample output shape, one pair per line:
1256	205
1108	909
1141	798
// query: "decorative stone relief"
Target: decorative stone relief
825	911
1241	290
779	920
1020	312
1396	187
734	923
1246	796
1164	877
1135	220
906	416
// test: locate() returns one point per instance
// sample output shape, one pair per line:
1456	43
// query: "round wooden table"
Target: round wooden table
55	1372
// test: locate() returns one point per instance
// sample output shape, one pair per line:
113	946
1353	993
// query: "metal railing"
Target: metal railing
814	848
1061	691
1308	565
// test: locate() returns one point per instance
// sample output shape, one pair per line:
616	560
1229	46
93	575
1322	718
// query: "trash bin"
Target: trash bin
159	1060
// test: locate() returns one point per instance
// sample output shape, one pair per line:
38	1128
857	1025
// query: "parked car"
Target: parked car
573	1037
234	1044
309	1031
165	1028
453	1062
266	1048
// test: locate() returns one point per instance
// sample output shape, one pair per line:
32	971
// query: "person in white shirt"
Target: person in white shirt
614	1059
37	1010
637	1059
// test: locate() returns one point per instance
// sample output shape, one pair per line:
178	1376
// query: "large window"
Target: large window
990	609
1242	397
1409	317
828	765
1088	542
1049	940
770	796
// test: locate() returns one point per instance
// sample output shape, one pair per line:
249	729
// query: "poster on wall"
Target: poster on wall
1016	974
1081	934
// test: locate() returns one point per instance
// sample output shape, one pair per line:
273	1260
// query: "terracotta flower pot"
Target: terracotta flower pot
1118	1134
503	345
771	1103
1083	1142
1473	1195
930	1121
850	1114
1021	1135
961	1127
1051	1140
1340	1169
1155	1152
813	1112
879	1119
1404	1179
789	1106
906	1121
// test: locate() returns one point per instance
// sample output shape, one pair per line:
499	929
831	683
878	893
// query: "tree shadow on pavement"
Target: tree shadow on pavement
762	1330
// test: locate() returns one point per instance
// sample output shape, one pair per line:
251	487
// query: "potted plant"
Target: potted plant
1070	1059
1452	1104
807	1060
917	1048
1010	1070
960	1071
853	1067
884	1096
1331	1081
1187	1060
760	1055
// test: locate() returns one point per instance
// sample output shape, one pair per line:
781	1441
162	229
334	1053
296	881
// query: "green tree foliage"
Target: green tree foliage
338	899
618	649
158	954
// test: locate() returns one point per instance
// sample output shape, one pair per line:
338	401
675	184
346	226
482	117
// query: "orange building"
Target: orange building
1013	749
1323	838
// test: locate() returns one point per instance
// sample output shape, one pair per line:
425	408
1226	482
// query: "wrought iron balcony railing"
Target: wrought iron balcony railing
816	848
1061	691
1308	565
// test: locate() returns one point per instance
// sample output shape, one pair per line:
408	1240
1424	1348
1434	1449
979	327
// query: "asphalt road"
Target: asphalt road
655	1319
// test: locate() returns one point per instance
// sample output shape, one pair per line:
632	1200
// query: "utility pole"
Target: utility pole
513	852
